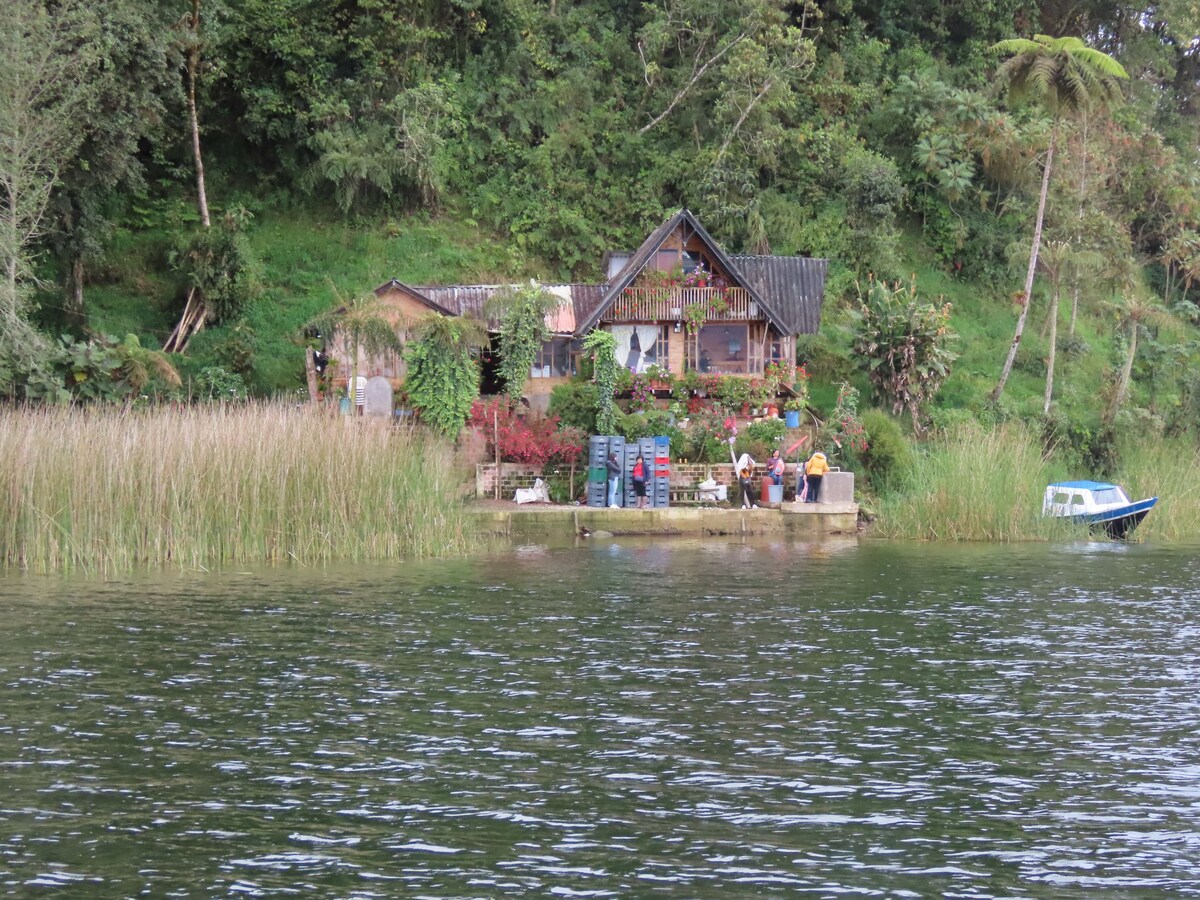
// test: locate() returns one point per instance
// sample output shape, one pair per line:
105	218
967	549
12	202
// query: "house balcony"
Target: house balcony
666	304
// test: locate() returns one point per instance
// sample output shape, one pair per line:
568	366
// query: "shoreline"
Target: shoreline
547	520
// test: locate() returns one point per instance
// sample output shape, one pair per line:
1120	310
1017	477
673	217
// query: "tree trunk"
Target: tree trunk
192	321
310	373
1053	352
1033	258
75	306
1123	382
193	66
1082	193
1074	306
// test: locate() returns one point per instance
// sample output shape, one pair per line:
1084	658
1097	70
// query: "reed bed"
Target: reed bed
1170	470
974	484
109	491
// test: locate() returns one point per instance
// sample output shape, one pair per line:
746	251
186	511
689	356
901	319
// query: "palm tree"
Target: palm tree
1057	260
1066	76
1134	312
364	326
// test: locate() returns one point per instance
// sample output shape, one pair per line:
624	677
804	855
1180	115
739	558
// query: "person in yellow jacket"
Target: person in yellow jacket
814	471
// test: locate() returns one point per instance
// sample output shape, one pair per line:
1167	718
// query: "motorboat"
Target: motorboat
1096	504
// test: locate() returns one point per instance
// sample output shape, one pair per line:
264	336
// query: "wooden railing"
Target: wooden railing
666	304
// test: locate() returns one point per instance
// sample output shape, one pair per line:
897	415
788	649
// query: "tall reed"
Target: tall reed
104	490
1170	470
974	484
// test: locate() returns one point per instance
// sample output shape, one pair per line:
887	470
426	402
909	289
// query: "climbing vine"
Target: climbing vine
603	349
443	372
522	331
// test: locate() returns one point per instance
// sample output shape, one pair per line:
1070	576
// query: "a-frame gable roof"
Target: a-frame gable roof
652	245
416	294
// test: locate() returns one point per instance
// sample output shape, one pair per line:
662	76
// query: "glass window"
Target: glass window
666	260
775	350
723	349
553	359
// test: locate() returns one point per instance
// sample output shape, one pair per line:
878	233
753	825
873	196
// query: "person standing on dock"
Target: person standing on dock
639	481
814	471
743	469
614	476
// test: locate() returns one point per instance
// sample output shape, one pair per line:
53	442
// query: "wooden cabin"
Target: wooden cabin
678	302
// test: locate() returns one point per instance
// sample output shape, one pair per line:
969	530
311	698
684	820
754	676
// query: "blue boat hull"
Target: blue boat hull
1118	522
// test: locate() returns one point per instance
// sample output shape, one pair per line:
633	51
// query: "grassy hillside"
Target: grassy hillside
308	262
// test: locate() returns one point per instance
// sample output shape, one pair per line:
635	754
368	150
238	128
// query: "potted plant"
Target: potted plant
791	411
694	315
687	384
734	392
660	378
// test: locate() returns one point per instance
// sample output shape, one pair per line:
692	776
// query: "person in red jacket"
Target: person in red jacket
639	481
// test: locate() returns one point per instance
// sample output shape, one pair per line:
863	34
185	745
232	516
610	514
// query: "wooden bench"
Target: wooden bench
684	496
689	495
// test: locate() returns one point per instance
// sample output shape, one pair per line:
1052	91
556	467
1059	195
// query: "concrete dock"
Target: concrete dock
804	520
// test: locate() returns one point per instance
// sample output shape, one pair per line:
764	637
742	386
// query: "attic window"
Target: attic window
666	260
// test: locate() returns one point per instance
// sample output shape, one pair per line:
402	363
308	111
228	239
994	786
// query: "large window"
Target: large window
642	346
724	349
553	359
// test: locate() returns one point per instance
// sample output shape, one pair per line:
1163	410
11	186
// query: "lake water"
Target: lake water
622	719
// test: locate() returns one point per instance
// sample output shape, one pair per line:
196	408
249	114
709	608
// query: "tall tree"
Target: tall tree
47	91
1135	311
192	40
137	58
1065	76
1059	260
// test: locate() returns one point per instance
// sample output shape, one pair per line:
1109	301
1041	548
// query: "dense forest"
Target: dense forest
241	166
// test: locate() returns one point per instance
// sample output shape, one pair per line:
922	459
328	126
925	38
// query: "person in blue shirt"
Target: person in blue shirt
614	476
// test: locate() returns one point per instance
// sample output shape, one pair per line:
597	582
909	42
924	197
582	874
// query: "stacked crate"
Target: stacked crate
659	489
597	489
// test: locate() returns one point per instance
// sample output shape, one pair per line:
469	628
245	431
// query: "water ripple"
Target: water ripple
626	719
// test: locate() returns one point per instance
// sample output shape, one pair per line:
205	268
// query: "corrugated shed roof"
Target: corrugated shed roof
794	284
576	301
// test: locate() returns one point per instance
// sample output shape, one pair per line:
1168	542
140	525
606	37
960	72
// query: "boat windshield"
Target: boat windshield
1110	495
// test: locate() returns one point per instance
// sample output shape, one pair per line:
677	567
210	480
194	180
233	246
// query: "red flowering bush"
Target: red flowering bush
530	439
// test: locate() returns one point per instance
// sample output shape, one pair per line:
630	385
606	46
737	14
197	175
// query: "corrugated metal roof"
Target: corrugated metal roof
794	284
790	290
576	301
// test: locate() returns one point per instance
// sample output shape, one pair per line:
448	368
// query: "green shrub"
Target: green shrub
942	420
575	403
769	431
1084	446
651	423
888	452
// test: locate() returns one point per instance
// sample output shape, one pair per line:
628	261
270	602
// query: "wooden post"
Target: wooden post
496	441
571	482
